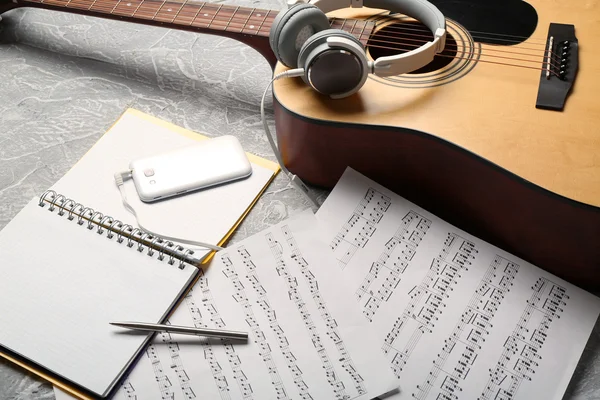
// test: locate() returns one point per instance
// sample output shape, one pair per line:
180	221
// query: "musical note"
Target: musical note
458	294
164	384
296	297
305	341
360	226
177	364
427	300
257	333
330	322
394	259
209	354
128	389
545	304
469	333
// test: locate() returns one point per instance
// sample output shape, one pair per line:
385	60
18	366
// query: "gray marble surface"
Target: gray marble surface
64	79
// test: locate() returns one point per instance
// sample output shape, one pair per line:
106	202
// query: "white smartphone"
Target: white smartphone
210	162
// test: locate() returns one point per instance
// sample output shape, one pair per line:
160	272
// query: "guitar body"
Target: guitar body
467	143
462	137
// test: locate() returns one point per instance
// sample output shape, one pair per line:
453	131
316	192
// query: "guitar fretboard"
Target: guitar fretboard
218	17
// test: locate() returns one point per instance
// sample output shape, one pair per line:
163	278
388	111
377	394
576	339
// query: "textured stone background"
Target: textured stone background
64	79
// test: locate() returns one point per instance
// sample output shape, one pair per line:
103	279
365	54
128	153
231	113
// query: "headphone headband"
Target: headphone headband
422	11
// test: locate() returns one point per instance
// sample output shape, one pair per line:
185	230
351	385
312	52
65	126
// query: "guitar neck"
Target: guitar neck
248	25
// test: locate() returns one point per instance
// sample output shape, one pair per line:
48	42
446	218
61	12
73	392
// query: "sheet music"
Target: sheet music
308	339
455	317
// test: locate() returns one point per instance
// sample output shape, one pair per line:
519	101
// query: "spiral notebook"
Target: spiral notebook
69	263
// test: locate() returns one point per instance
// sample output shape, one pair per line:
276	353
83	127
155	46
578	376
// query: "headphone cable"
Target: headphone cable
120	177
294	180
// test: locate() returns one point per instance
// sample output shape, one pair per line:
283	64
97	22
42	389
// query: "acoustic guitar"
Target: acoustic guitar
499	135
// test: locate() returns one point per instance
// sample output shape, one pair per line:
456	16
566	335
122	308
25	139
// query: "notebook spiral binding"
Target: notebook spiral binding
124	232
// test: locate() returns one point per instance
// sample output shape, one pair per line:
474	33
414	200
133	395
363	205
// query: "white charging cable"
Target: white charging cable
120	177
292	177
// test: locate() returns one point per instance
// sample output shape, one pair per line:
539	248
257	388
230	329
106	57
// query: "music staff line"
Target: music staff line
361	225
427	300
163	381
294	295
463	345
232	357
506	377
129	390
259	337
209	354
270	314
330	322
394	259
177	365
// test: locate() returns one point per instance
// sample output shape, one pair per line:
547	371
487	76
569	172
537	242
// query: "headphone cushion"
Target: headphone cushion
288	25
319	38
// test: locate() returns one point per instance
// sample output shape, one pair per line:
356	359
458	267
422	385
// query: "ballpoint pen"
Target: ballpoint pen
185	330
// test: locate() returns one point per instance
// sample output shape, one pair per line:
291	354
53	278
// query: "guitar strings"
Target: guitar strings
458	47
427	35
100	4
412	26
540	55
477	60
543	54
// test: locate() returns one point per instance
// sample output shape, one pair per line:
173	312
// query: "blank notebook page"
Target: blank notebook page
61	284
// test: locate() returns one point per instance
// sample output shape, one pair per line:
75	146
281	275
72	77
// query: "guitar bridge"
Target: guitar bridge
561	60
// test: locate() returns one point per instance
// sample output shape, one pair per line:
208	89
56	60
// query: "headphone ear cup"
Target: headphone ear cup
320	38
291	28
337	70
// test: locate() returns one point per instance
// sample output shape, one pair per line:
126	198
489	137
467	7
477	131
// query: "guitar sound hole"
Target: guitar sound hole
402	37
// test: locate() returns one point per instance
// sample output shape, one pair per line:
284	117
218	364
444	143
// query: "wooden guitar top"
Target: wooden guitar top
488	109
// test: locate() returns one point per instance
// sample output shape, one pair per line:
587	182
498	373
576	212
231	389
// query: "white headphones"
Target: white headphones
333	61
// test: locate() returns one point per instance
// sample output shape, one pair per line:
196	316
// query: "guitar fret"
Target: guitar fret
231	18
178	11
232	15
207	13
101	6
213	18
77	4
159	8
196	16
138	7
127	8
241	18
363	29
167	11
247	19
362	36
353	26
113	9
184	15
234	26
263	22
147	10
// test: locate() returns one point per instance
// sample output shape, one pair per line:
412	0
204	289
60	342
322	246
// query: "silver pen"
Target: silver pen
185	330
